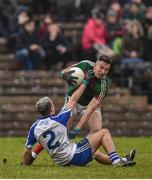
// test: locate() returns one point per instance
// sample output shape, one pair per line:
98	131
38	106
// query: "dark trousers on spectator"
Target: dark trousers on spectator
30	61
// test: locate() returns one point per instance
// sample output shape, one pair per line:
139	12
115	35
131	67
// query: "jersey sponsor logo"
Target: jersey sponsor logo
44	124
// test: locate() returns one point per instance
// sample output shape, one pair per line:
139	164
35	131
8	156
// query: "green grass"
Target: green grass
43	167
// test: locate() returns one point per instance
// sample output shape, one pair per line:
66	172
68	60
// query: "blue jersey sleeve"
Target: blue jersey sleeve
31	140
63	116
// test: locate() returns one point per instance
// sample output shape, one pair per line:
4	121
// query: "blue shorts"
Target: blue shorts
83	153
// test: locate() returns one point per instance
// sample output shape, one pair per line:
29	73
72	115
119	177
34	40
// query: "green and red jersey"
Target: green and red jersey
97	88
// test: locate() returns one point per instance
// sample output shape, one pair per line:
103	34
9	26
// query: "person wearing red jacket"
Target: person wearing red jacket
94	33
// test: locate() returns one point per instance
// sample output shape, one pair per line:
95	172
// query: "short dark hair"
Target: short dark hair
29	21
97	13
43	106
105	58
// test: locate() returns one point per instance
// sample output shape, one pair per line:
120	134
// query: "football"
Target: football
79	74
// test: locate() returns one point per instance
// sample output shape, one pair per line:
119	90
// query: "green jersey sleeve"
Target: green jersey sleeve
102	89
85	65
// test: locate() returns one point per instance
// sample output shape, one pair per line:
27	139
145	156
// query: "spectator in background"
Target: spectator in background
115	32
7	8
115	6
140	3
94	33
29	52
114	28
132	47
48	19
132	42
134	13
18	18
22	18
56	47
10	12
18	21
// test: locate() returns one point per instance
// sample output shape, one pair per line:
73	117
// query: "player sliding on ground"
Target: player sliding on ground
51	132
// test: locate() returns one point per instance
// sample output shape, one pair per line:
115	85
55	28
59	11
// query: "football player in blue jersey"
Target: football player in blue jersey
51	132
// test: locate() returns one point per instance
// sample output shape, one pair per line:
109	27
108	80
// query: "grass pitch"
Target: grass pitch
43	167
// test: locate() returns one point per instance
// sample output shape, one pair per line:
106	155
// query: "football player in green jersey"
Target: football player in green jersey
92	98
89	105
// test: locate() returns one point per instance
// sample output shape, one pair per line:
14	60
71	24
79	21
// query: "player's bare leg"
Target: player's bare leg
95	121
103	137
101	157
95	124
71	121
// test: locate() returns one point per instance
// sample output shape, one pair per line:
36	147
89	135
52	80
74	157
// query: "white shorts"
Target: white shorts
94	123
79	109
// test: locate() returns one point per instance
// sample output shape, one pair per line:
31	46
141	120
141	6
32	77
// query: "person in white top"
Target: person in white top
51	132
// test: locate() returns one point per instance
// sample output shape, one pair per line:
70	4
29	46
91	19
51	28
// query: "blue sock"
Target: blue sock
114	157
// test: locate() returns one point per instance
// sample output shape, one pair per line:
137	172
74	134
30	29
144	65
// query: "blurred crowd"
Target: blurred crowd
121	29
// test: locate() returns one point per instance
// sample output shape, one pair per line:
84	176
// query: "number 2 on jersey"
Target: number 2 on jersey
51	135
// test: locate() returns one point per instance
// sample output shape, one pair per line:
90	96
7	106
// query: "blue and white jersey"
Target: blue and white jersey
51	133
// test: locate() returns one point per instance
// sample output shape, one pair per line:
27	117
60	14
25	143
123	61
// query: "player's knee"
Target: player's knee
105	131
96	155
96	130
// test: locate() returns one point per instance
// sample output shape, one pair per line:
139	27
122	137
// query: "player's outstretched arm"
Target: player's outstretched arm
37	149
79	91
94	103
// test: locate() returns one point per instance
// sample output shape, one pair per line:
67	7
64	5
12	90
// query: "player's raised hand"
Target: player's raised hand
88	76
71	80
73	133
